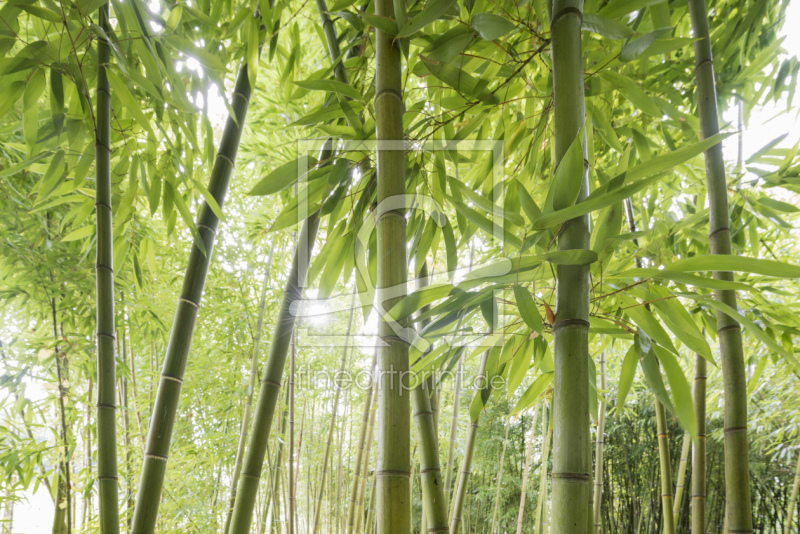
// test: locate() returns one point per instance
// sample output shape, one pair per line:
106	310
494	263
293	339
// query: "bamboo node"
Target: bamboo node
226	158
391	473
103	204
390	92
423	413
718	230
104	334
248	475
268	382
736	326
571	322
699	497
207	227
155	456
102	266
564	12
173	378
106	405
429	470
697	66
440	529
188	301
572	476
107	477
734	429
395	213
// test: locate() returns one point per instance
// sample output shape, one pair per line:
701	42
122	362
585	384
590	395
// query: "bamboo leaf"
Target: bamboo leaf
635	48
78	234
610	29
626	375
282	177
528	310
648	323
729	262
519	367
433	10
120	90
533	392
491	26
330	86
681	392
569	175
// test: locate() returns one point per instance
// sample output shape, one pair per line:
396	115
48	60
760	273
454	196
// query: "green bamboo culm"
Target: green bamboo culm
681	483
599	444
435	508
787	529
699	448
247	491
460	495
393	504
362	439
251	386
107	477
169	388
571	433
737	456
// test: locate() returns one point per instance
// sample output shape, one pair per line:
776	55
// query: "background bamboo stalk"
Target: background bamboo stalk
500	478
699	448
571	432
365	473
599	444
251	386
684	461
451	449
166	403
290	526
737	455
107	478
466	464
362	437
541	497
526	470
787	528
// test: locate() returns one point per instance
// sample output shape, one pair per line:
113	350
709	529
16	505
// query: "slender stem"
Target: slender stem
107	477
362	443
360	524
737	455
676	510
599	446
500	479
162	420
248	406
699	448
787	528
571	432
542	495
526	470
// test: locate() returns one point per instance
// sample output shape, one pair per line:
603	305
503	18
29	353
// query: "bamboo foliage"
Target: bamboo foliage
106	359
737	459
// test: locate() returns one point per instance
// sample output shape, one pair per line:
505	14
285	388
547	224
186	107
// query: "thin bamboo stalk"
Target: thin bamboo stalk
571	432
737	455
500	479
62	519
526	470
434	506
362	436
290	526
273	373
542	496
107	478
599	445
451	450
166	403
251	386
699	448
334	412
787	526
466	464
676	510
365	474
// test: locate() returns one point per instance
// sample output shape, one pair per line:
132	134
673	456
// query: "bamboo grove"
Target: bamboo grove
398	266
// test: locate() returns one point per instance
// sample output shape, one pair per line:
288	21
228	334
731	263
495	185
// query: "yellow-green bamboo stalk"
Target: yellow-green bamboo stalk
365	476
541	497
571	433
500	479
362	437
687	441
599	446
787	528
737	455
526	470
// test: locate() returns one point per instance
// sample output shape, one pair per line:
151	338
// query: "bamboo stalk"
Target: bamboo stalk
599	446
365	474
169	387
451	450
318	509
500	479
248	406
466	464
526	470
290	526
787	528
62	519
542	495
107	477
434	506
571	432
393	510
737	455
362	436
699	448
676	510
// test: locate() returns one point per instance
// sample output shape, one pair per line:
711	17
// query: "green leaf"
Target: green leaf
652	373
626	375
635	48
416	300
683	278
728	262
778	205
78	234
491	26
432	11
41	12
681	391
533	392
14	169
459	80
610	29
120	90
528	205
632	92
569	175
527	309
384	24
282	177
519	367
330	86
647	322
447	46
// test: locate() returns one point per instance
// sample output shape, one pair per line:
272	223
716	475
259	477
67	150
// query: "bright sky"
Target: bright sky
765	124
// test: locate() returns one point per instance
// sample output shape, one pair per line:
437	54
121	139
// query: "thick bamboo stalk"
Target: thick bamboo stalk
699	448
599	445
334	412
526	470
571	433
362	436
541	498
434	506
676	510
251	386
466	464
787	527
500	479
393	510
166	404
737	455
107	478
